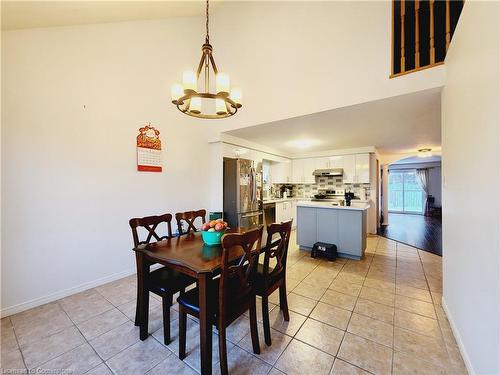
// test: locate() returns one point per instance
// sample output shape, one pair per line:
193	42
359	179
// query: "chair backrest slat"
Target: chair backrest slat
277	248
150	223
189	217
237	277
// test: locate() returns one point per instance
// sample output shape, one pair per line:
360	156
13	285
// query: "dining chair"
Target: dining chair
267	278
231	294
189	217
163	281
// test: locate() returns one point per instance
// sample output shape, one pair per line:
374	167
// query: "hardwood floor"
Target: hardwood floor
415	230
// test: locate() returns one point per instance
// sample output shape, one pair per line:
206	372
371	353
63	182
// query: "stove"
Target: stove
334	196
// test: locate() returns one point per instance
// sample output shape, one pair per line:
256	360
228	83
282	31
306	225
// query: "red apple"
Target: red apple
219	227
205	226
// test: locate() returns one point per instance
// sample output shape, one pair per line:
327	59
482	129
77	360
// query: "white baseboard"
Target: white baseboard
458	339
63	293
7	311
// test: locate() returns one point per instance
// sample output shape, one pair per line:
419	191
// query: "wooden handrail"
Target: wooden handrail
432	50
402	12
448	27
417	34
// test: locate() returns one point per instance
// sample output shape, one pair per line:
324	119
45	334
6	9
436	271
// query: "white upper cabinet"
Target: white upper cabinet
330	162
363	168
298	171
356	169
336	162
309	168
302	171
322	163
349	166
281	173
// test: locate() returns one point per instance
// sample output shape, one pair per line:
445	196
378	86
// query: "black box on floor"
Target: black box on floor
322	249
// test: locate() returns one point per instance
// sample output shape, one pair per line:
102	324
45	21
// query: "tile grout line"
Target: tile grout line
434	307
347	326
293	337
394	313
17	342
435	311
86	341
73	325
350	318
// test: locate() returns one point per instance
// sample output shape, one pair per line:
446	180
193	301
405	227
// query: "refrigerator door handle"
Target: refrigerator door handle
252	184
252	214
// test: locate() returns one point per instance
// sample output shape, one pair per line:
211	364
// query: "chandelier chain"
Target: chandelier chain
207	37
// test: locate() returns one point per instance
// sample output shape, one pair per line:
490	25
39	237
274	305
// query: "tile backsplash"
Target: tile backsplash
325	183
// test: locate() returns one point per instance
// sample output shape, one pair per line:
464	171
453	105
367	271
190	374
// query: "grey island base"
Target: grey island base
339	225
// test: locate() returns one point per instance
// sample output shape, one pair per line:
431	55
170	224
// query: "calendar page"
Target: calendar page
149	150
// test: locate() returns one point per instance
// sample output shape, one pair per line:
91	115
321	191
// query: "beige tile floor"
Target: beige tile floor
380	315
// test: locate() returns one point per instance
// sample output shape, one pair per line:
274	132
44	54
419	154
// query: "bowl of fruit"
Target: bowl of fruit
212	231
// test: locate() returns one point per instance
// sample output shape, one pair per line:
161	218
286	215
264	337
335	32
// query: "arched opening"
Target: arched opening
413	202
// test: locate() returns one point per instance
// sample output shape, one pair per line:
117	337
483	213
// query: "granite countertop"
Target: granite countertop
278	200
329	205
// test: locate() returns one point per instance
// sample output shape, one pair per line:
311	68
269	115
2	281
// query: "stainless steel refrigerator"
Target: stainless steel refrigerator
243	193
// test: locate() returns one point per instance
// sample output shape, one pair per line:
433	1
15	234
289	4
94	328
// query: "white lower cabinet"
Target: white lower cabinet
284	211
294	214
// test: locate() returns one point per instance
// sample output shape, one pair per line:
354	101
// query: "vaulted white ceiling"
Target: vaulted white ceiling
398	124
30	14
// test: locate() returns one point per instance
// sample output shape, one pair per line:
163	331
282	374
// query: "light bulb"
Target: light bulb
236	96
222	83
220	106
189	80
195	105
176	92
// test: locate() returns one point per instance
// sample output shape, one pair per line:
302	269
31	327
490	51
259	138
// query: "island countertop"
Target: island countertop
329	205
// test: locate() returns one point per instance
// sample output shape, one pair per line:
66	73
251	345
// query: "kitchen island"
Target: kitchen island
344	226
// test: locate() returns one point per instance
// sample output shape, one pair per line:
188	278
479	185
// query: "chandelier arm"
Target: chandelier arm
200	66
212	61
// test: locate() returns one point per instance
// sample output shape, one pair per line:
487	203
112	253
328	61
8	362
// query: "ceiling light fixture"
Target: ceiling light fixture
424	153
303	143
207	105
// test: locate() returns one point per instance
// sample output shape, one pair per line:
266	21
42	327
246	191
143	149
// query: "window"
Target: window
405	193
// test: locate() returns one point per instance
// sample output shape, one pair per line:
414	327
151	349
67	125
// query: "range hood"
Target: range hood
329	172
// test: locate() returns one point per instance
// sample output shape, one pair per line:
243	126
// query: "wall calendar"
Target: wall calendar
149	149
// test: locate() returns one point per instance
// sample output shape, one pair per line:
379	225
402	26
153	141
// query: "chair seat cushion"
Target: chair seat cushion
190	300
167	280
259	278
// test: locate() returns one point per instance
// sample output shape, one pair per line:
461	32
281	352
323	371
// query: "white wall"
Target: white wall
73	99
294	58
471	180
435	185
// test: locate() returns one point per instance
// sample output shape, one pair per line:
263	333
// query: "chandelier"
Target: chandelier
205	104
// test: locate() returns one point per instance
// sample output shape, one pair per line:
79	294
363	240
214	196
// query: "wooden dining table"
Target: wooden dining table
189	255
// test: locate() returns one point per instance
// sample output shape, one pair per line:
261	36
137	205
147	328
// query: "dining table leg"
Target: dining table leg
143	295
205	325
